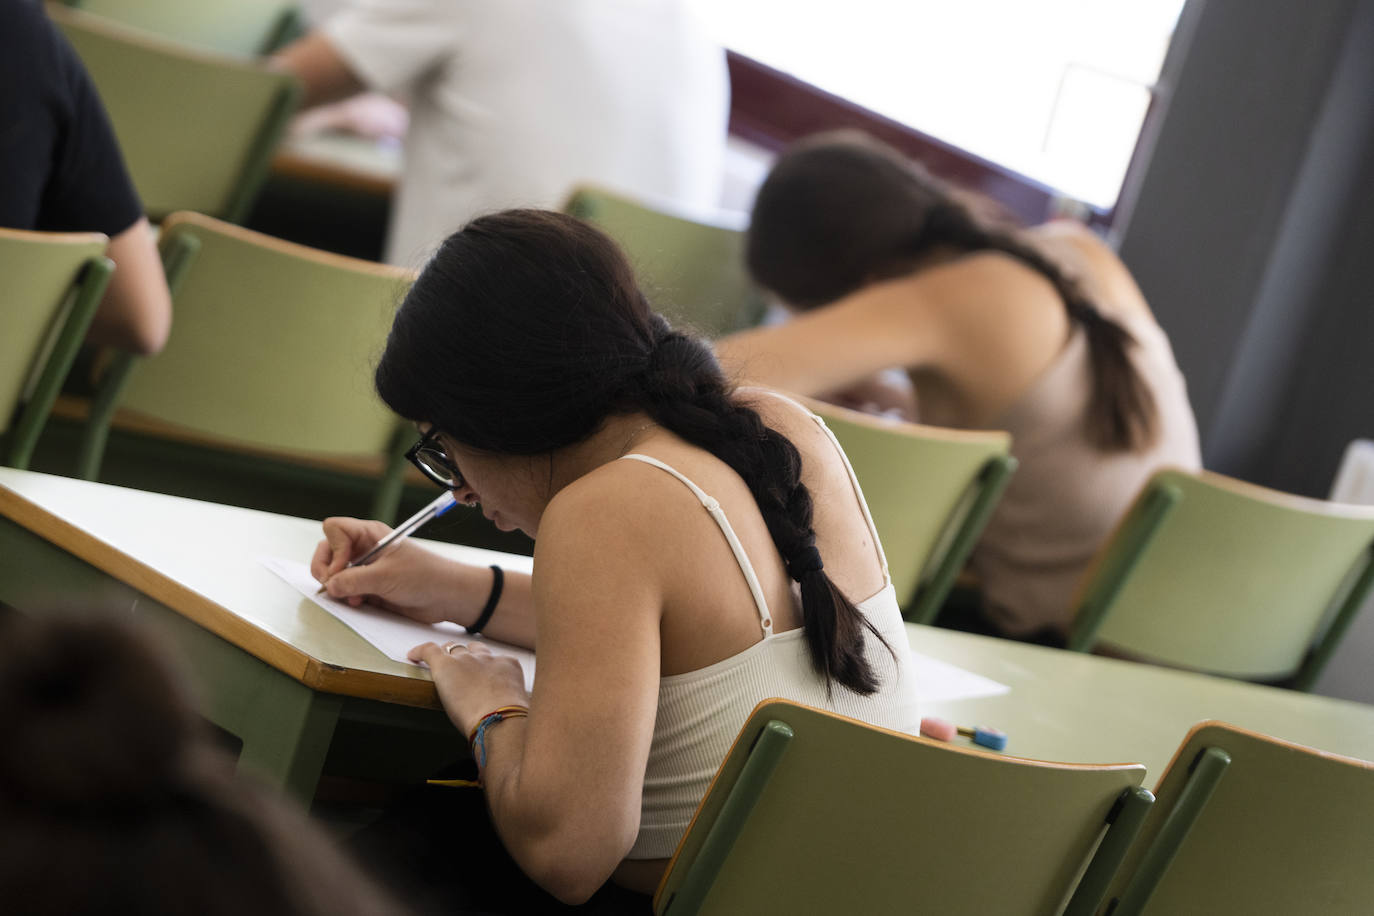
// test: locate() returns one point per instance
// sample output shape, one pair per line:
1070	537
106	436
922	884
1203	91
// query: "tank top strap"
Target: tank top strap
717	513
853	479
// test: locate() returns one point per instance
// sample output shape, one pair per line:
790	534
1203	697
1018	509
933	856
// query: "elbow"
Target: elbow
571	882
151	337
571	868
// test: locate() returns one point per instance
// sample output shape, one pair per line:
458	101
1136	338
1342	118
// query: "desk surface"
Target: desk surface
343	160
201	559
1088	709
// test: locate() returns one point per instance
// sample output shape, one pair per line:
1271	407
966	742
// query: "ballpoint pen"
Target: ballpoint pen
408	527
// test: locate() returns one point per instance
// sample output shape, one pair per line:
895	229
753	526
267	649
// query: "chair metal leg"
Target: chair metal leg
1203	779
767	753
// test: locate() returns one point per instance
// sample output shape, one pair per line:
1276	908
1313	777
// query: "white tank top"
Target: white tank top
700	712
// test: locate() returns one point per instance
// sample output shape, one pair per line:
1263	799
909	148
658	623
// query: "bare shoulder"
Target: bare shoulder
1092	263
618	501
821	461
842	530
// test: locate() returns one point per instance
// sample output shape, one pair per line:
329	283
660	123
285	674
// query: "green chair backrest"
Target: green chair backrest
272	347
246	28
930	491
816	813
197	130
1246	823
1210	573
691	266
51	287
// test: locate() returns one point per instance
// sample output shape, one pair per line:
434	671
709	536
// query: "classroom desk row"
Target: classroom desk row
293	682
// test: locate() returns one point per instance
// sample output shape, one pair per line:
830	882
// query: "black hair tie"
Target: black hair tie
807	560
493	598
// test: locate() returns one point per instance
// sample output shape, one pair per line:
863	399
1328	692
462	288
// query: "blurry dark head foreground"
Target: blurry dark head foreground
113	798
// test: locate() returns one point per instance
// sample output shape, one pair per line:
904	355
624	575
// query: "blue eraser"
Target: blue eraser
990	738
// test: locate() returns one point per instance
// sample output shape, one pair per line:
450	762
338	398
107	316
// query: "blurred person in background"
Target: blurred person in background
63	172
1041	332
514	102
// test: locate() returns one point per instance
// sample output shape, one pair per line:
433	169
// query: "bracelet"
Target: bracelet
478	738
498	580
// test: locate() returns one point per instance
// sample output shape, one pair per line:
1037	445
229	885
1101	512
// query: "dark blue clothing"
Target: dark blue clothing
60	166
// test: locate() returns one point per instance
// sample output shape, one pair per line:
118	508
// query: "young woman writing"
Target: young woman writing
698	549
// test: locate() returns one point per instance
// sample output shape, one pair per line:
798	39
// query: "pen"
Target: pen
408	527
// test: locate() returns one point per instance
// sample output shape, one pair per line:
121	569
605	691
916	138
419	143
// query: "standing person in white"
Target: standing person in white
513	102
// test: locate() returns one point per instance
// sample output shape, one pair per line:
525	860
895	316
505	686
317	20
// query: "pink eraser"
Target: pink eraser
938	729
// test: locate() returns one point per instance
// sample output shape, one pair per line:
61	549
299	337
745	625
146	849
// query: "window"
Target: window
1055	90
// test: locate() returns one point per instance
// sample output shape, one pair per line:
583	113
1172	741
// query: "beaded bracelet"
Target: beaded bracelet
478	738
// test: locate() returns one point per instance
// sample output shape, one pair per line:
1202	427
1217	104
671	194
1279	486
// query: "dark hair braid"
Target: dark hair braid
1121	410
683	389
565	339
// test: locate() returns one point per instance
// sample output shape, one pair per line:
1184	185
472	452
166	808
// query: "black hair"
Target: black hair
527	330
840	210
115	798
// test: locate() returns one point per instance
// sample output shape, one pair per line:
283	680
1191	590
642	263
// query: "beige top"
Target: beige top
700	712
1066	495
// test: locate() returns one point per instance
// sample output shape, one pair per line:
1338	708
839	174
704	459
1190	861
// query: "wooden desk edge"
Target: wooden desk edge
283	656
301	167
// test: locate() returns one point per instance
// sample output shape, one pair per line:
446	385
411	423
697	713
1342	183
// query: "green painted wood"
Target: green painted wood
930	491
245	28
285	727
1245	823
196	129
894	823
272	350
52	287
767	752
177	255
691	266
964	528
1126	820
1231	578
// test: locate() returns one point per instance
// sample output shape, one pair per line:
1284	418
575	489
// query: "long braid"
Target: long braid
683	390
1121	411
568	339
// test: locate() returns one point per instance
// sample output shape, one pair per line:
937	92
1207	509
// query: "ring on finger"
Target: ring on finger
450	646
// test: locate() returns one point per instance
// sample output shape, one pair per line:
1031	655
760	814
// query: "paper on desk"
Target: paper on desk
938	682
392	634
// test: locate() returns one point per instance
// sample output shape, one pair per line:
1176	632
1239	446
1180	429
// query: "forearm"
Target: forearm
324	74
537	812
511	621
135	313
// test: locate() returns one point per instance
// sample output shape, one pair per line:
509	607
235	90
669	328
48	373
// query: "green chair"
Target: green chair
816	813
52	287
197	130
269	360
691	266
245	28
1210	573
930	491
1245	823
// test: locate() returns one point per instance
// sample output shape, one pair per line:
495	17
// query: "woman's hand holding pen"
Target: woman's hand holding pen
407	579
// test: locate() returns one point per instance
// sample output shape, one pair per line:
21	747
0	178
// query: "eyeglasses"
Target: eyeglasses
429	456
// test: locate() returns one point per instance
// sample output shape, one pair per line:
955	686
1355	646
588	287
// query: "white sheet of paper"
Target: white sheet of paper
392	634
939	682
